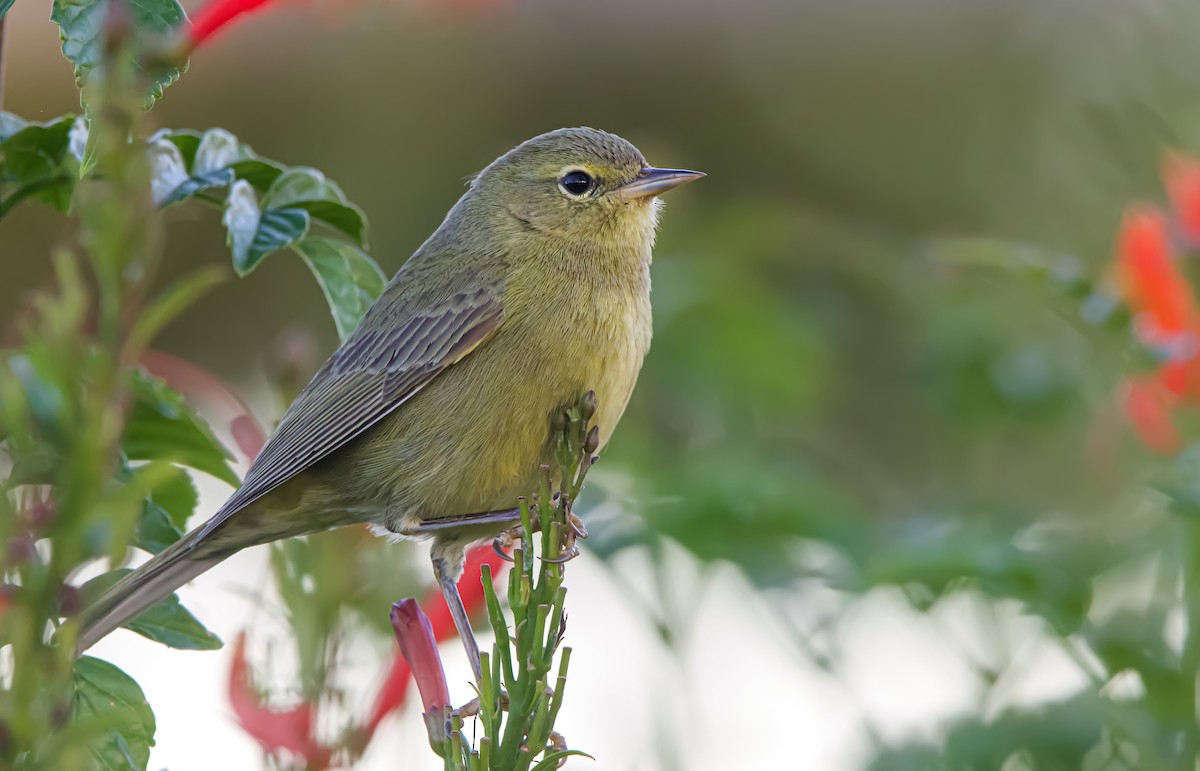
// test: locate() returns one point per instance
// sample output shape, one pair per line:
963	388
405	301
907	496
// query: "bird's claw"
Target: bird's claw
503	542
566	556
575	530
576	526
471	708
558	744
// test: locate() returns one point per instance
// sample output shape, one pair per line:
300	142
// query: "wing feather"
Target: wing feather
376	370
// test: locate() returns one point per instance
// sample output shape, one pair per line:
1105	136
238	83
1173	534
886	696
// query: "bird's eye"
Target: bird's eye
577	183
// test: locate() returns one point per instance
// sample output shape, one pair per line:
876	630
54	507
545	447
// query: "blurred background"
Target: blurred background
873	504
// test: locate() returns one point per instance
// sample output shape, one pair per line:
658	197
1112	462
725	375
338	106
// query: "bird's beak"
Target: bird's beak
651	181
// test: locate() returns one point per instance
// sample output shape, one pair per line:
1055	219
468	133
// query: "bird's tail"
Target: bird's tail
162	575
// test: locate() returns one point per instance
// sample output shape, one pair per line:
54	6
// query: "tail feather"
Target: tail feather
157	579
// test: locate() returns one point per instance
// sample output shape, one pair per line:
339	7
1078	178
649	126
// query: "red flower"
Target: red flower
1181	177
215	15
470	588
1165	310
1148	406
1151	280
292	730
419	648
289	730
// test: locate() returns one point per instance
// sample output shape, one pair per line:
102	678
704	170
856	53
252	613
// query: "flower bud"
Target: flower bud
587	406
592	442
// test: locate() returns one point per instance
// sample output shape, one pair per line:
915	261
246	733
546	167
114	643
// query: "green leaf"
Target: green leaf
4	6
81	26
259	172
166	622
162	426
111	702
36	162
310	190
187	140
175	177
165	513
254	233
155	531
552	760
349	278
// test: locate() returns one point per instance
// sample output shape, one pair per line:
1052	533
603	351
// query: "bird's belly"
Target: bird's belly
473	439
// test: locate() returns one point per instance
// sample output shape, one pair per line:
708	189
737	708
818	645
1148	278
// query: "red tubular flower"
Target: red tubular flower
1181	177
288	730
291	730
419	648
470	588
1148	406
1151	281
215	15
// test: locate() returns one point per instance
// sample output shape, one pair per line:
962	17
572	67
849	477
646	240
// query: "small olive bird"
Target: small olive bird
434	415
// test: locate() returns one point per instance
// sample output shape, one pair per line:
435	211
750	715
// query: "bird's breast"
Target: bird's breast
473	439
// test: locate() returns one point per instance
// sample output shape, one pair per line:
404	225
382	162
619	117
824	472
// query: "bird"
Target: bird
434	415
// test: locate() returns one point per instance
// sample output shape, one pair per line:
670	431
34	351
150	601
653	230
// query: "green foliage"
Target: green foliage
269	207
84	26
168	622
111	710
162	426
350	280
165	512
36	162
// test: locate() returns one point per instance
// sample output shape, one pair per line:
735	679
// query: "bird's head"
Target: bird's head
580	187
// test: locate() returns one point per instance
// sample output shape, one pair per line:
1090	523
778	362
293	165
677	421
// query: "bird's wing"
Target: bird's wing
397	350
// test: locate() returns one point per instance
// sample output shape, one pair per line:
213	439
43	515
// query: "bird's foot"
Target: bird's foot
575	531
472	707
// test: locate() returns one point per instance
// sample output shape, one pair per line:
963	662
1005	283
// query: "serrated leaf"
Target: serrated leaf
81	26
162	426
254	233
349	278
112	704
166	622
312	191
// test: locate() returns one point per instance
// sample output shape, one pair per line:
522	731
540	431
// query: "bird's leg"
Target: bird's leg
448	580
